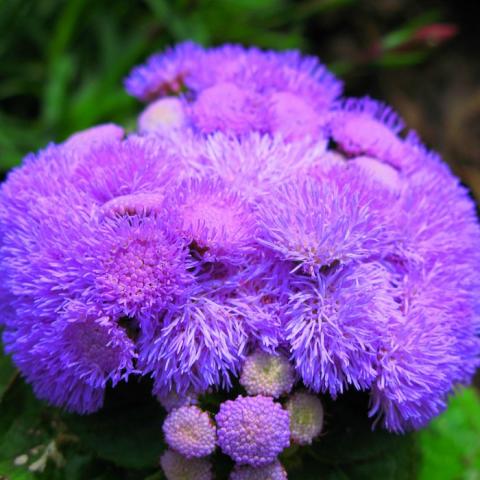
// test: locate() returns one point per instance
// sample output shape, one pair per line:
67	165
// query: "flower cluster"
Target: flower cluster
252	430
255	210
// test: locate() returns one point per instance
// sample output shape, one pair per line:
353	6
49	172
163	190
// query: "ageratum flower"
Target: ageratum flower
334	322
178	467
251	165
239	90
253	430
139	269
91	137
164	74
190	432
215	220
319	223
163	114
200	342
273	471
264	374
255	210
70	360
366	127
306	417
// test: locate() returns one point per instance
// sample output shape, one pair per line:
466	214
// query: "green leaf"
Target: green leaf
25	440
127	431
451	445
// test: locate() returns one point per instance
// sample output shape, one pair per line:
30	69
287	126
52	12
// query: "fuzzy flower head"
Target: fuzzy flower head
255	210
162	115
190	432
218	222
367	127
178	467
139	269
273	471
226	106
380	173
253	165
333	326
200	343
237	90
253	430
86	139
71	360
306	417
265	374
319	223
293	117
164	74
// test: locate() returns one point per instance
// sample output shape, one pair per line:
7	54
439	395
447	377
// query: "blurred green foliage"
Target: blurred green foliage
62	62
451	446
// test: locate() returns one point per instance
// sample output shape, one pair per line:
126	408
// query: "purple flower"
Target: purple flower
319	223
405	396
199	343
254	212
253	430
293	117
190	432
366	127
136	165
70	360
138	269
164	74
251	166
334	323
238	90
273	471
218	222
227	107
381	174
91	137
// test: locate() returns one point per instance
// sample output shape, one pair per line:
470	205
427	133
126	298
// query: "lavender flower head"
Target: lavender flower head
253	430
190	432
251	90
273	471
254	210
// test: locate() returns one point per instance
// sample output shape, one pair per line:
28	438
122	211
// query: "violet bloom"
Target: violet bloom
190	432
254	211
239	90
164	74
253	430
